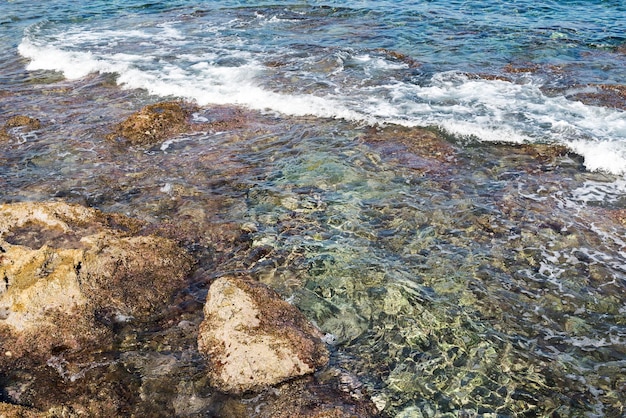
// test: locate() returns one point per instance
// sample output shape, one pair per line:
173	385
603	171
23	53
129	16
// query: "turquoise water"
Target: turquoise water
405	63
475	268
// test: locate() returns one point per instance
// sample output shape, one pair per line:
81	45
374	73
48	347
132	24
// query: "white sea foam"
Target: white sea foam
606	155
379	63
595	191
50	58
228	71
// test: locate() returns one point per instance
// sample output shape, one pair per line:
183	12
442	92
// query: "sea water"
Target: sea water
459	277
408	63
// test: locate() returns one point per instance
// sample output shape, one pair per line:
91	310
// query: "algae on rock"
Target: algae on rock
61	265
26	123
253	339
154	123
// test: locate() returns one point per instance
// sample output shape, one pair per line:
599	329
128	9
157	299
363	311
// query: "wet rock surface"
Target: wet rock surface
400	57
64	265
253	339
16	411
19	122
328	394
154	123
419	149
449	278
613	95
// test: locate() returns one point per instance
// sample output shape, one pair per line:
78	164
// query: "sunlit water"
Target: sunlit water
453	271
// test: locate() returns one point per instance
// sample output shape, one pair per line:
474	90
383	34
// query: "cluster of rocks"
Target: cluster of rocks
70	276
94	299
64	267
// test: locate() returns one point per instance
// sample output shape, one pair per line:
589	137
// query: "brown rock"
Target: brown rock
399	56
16	411
253	339
490	77
607	95
616	215
302	398
154	123
418	141
416	148
133	275
61	265
528	68
545	153
25	122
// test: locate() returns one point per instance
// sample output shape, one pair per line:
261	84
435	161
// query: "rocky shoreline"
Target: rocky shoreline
178	310
76	280
73	277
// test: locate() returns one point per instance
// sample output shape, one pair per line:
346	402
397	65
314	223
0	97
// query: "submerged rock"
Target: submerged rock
154	123
253	339
607	95
419	149
399	56
20	121
62	266
317	396
524	68
419	141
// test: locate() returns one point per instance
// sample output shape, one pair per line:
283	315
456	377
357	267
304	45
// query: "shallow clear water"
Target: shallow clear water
454	270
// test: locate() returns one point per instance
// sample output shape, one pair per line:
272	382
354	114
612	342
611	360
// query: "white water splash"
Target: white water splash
165	63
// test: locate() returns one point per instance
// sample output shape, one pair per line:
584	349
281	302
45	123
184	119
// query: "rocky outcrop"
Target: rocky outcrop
253	339
62	266
154	123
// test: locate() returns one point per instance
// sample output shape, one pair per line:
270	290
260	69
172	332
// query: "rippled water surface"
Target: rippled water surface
405	175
